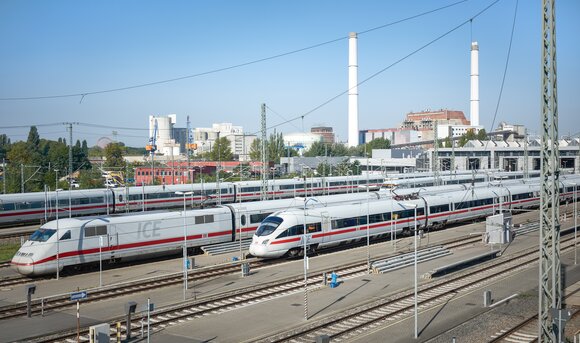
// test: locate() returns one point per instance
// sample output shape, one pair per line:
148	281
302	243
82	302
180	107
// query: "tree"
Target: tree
4	145
221	150
114	153
466	137
256	150
482	135
275	147
317	149
90	178
33	138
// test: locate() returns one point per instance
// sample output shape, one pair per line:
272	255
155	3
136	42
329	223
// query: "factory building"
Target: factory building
301	140
240	143
504	155
324	131
161	134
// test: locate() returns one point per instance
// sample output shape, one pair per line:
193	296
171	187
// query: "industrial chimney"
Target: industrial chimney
352	91
474	102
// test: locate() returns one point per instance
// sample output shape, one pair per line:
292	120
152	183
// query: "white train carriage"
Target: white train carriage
140	235
28	207
282	233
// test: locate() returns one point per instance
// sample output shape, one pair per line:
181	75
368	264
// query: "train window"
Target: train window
7	207
97	200
313	227
346	222
375	218
135	197
362	220
296	230
42	235
257	218
283	234
199	220
120	197
439	208
91	231
65	236
268	226
85	201
243	219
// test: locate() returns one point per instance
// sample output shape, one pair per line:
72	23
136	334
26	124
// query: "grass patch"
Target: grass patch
8	250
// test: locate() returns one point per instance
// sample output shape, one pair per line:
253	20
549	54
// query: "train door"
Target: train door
241	223
112	241
326	226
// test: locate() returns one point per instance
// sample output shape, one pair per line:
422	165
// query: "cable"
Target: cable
389	66
279	115
84	94
504	72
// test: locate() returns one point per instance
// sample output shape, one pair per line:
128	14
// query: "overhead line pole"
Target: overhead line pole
550	287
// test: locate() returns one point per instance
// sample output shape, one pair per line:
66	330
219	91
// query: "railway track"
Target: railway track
222	302
525	331
371	317
104	293
10	281
229	300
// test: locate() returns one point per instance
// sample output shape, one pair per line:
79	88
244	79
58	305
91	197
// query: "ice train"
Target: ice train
282	233
137	235
42	206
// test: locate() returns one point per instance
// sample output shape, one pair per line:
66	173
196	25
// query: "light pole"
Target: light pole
107	199
184	242
57	237
575	226
100	261
414	206
368	224
304	237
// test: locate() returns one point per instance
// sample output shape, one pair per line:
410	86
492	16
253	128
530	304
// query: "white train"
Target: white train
455	178
139	235
41	206
282	233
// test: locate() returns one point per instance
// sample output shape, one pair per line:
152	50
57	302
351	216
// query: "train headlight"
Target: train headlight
265	241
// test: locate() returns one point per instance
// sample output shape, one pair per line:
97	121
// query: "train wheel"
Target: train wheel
294	252
312	249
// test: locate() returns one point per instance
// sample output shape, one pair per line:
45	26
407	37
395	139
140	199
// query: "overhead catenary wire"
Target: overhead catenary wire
301	116
504	70
389	66
82	95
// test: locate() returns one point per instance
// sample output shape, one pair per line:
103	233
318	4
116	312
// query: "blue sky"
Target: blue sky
71	47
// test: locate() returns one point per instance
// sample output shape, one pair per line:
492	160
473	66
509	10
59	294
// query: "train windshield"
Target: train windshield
268	226
42	235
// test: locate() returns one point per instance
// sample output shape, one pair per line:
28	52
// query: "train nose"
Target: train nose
23	265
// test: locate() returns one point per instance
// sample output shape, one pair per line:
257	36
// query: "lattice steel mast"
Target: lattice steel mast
550	292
